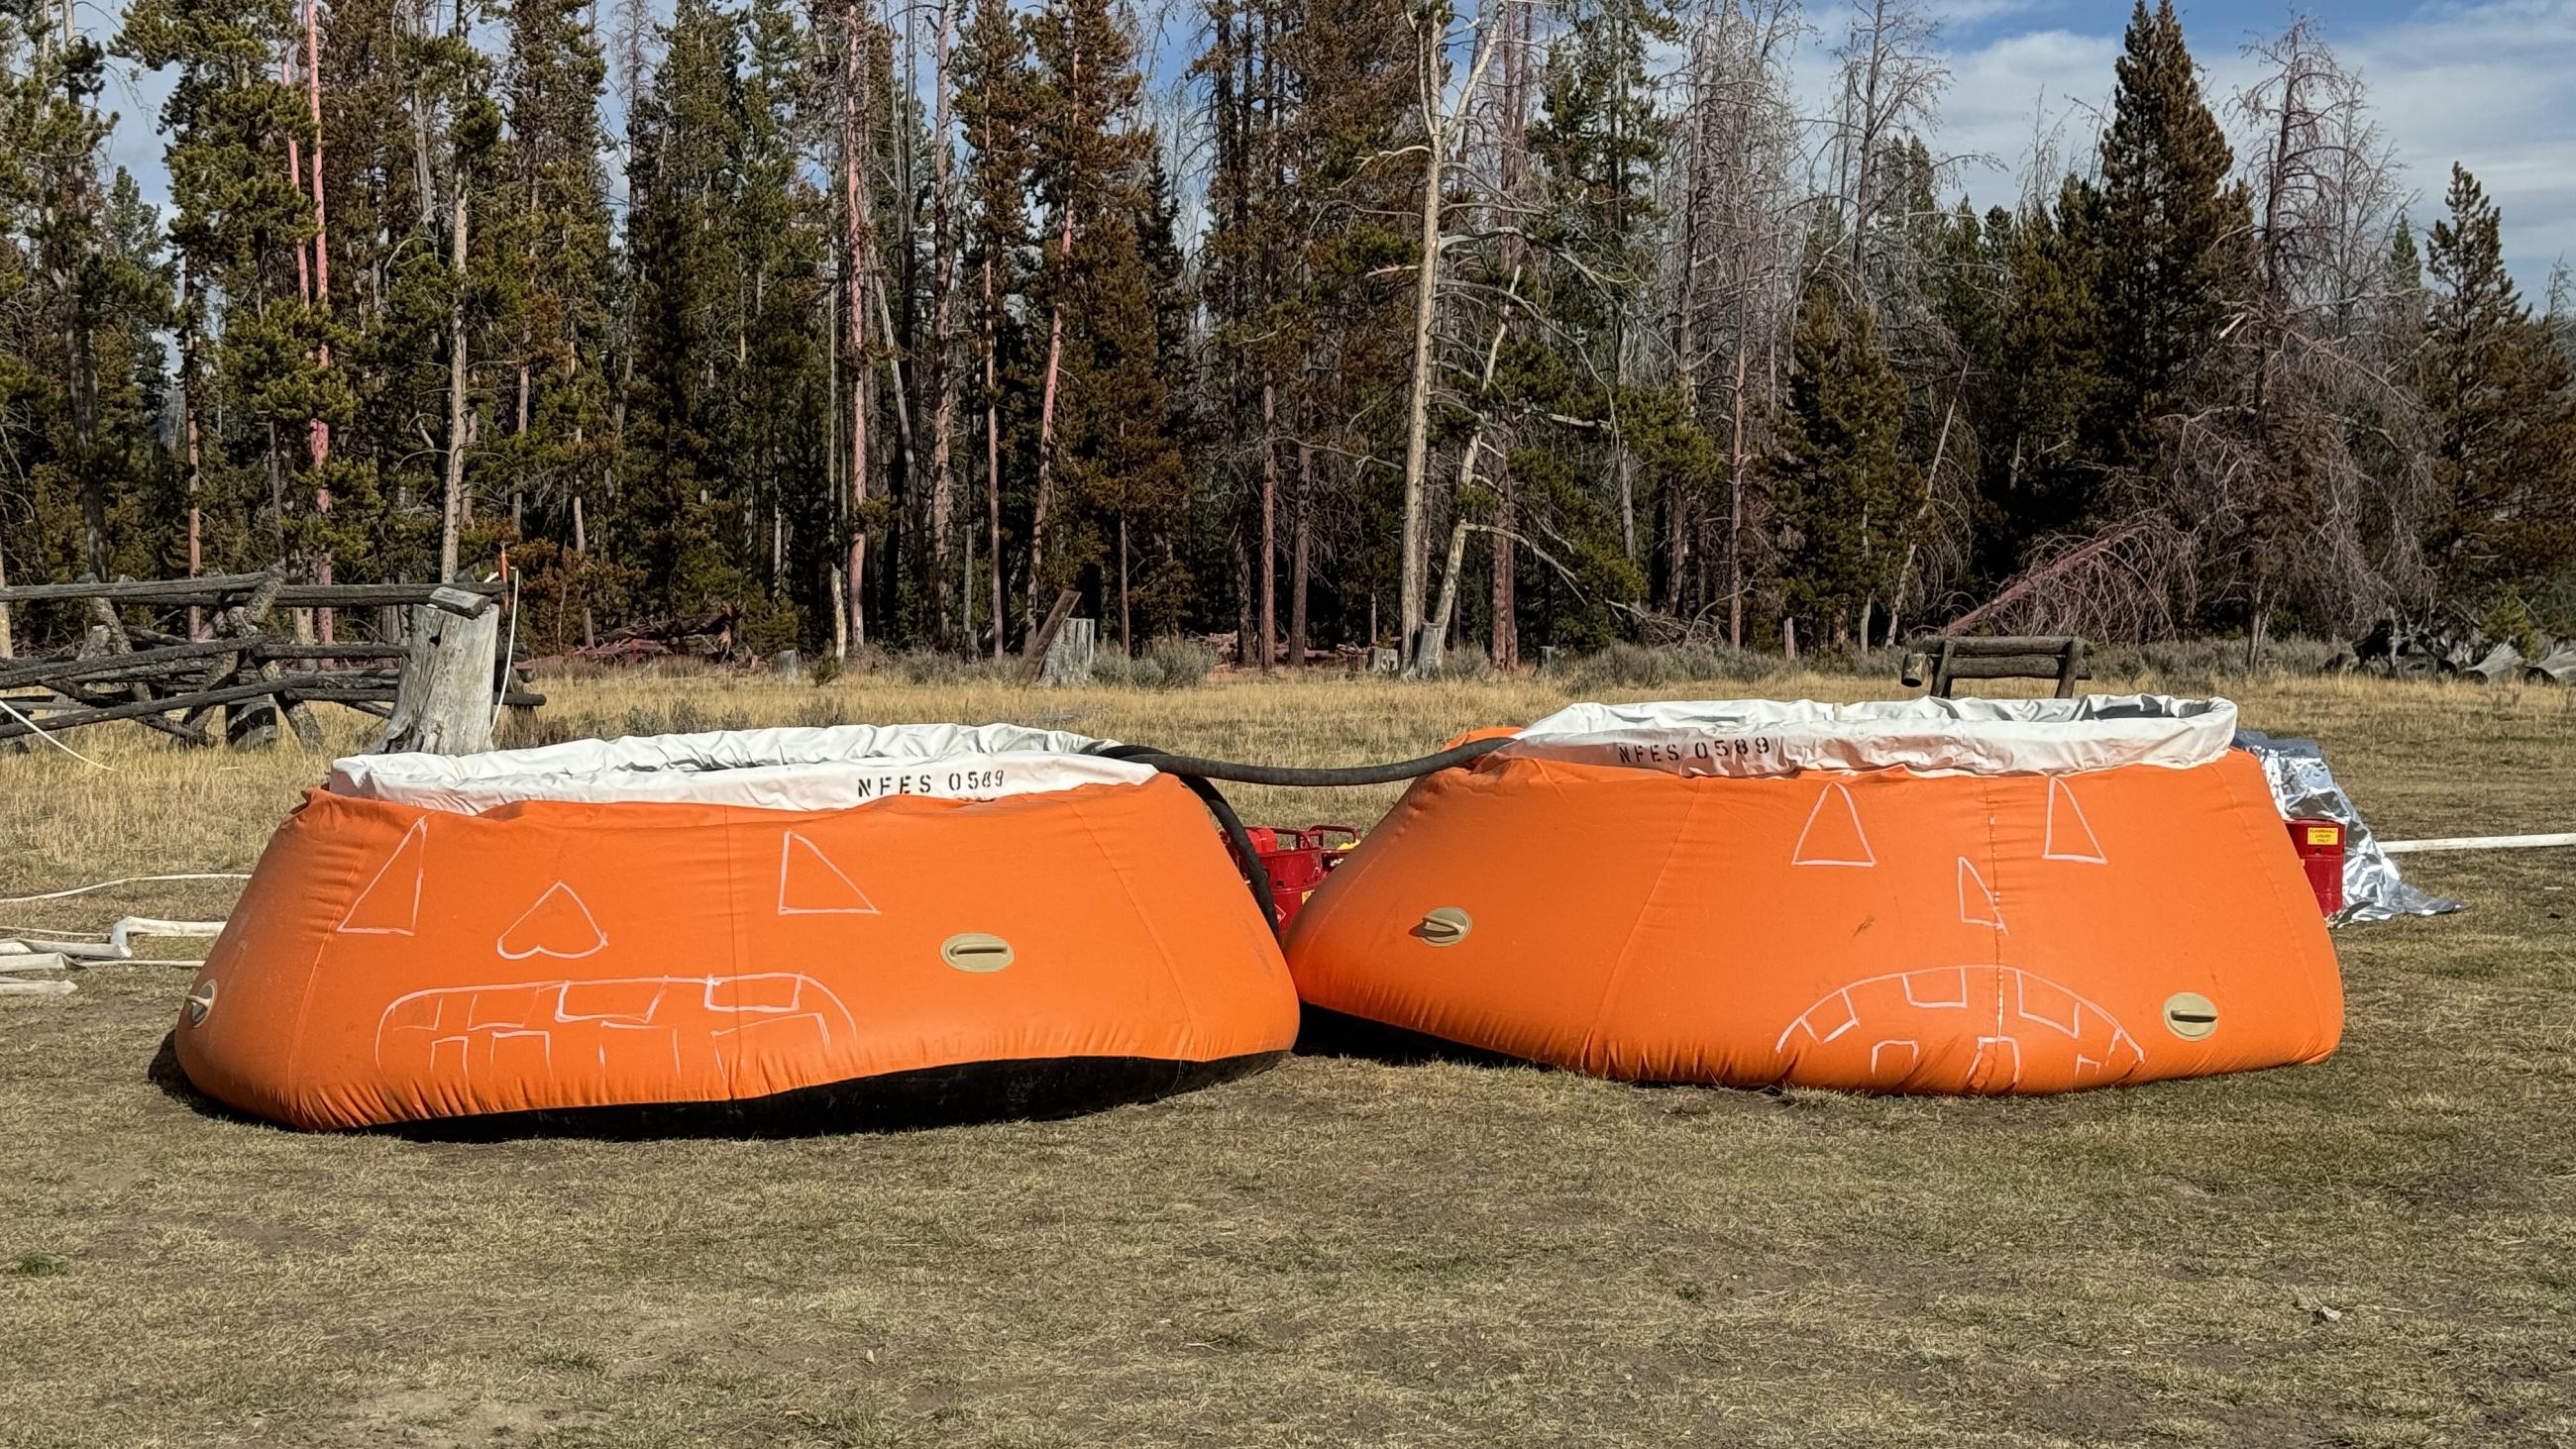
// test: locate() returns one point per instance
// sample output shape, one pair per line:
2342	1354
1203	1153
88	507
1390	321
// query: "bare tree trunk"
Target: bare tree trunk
321	290
188	384
1047	393
1299	542
1269	569
943	416
854	321
1507	641
1126	618
1436	631
993	459
1426	285
581	551
1739	474
1439	127
1425	665
452	504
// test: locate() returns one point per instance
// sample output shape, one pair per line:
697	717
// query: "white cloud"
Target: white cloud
2484	83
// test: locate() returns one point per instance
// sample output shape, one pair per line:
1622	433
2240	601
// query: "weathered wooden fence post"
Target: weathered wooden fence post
444	704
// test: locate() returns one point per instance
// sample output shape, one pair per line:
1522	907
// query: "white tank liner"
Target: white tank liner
828	768
1756	737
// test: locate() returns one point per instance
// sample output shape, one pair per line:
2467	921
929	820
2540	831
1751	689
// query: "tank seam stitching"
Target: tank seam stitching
313	973
1994	885
1628	944
1171	969
734	943
2254	843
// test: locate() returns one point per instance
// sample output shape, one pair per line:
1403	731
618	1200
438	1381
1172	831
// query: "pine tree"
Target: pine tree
687	134
80	371
1086	155
1123	466
2038	481
251	343
994	117
1847	493
2169	232
2502	415
550	231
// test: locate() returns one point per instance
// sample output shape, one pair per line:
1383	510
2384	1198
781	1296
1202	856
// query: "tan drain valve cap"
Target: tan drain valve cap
2190	1015
1446	926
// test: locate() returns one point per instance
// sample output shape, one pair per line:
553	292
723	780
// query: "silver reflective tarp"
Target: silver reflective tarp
2302	785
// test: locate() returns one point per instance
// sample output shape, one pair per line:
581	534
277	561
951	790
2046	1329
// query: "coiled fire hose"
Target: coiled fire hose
1199	774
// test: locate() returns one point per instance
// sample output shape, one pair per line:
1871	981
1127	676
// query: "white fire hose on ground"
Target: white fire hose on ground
37	950
2478	842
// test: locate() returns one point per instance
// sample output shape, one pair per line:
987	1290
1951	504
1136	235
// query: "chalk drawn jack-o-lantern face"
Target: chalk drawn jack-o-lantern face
1947	896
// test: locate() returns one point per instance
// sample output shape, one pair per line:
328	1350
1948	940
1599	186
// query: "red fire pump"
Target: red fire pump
2320	846
1297	861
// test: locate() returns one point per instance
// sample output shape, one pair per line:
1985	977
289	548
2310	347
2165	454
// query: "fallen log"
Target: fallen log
140	663
180	730
2502	662
136	709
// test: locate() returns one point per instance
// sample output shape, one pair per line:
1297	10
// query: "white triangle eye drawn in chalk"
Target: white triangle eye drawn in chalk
558	925
1832	835
2070	835
1977	903
390	904
809	884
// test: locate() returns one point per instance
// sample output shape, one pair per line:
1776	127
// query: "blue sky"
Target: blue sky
2491	83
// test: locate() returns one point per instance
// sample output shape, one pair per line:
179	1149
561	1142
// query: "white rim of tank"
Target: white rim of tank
831	767
1762	737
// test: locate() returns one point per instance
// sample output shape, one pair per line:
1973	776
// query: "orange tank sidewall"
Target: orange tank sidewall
1132	937
1646	926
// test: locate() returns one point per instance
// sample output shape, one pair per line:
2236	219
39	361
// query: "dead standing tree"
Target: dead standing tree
1891	85
1731	272
1442	117
2325	198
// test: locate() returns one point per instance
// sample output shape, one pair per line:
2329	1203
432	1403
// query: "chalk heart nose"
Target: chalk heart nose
558	925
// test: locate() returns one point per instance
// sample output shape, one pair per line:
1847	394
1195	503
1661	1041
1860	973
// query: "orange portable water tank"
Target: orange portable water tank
1955	896
844	926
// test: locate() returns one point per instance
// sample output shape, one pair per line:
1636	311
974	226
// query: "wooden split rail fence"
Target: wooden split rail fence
242	666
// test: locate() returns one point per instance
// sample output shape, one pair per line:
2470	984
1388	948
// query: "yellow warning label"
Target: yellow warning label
2324	834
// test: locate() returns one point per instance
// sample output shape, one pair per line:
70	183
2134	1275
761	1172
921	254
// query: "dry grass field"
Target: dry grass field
2377	1251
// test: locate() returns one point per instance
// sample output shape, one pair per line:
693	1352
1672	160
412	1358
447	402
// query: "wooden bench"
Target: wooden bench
1945	660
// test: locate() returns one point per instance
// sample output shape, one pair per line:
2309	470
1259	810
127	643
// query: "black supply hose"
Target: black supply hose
1292	775
1197	773
1255	874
